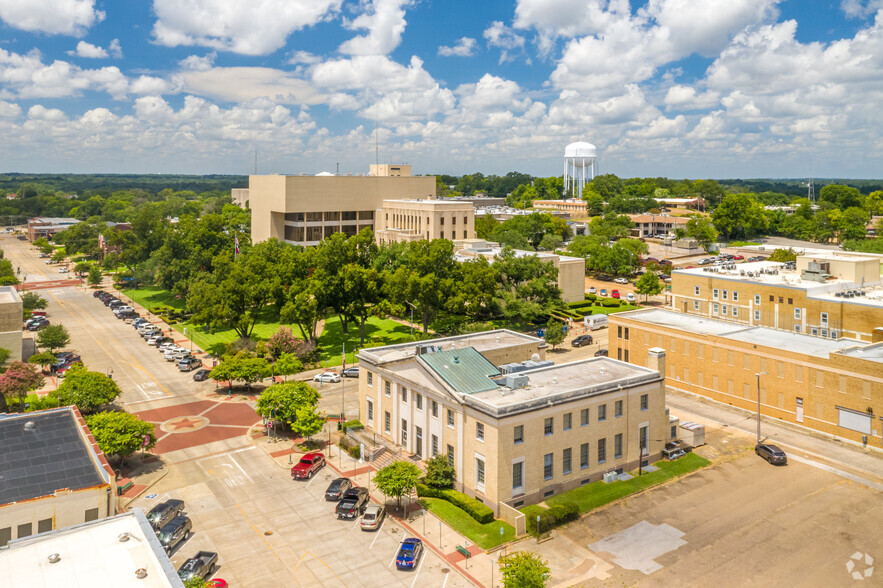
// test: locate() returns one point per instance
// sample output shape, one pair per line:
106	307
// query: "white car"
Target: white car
592	290
171	353
621	281
63	270
120	309
630	297
152	340
327	377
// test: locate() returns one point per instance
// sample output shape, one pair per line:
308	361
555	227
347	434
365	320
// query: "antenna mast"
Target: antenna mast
377	134
811	191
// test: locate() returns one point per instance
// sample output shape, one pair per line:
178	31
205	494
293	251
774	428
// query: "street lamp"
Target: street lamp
758	402
412	317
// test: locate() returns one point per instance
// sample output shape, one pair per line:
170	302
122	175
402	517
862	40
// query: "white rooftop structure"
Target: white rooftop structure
579	167
119	551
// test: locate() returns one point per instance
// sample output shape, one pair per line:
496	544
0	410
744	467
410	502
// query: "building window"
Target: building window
517	475
617	446
434	408
644	402
695	305
518	436
370	411
602	450
696	290
387	388
567	420
442	234
823	319
796	328
565	461
584	456
724	297
547	466
451	455
735	311
91	515
404	432
548	426
772	298
454	220
757	315
479	471
714	308
757	299
602	413
725	309
714	294
479	431
419	401
404	394
434	445
790	301
442	221
44	526
617	408
386	421
370	379
584	417
735	296
450	418
797	314
27	529
781	299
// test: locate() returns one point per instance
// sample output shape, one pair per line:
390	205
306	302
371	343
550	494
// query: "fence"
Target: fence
514	518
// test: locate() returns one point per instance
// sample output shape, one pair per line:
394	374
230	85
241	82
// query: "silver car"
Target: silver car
171	353
372	518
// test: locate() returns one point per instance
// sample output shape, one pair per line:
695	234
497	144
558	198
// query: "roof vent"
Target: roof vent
123	537
554	380
140	573
456	359
54	558
30	426
603	371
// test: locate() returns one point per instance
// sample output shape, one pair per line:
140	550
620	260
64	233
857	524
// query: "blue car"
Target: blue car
409	552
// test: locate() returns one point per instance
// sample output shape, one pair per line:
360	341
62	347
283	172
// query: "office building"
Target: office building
48	226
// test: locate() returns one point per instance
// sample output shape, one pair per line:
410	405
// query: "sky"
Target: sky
676	88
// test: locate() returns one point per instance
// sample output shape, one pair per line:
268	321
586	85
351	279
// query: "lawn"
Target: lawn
596	494
151	296
378	332
208	341
485	536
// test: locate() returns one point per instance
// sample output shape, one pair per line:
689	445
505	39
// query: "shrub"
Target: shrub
610	303
554	516
478	511
353	424
591	297
355	451
439	472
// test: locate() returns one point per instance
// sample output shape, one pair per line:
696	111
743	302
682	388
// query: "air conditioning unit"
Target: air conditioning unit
610	477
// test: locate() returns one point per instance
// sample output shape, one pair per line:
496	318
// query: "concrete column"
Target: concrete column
656	360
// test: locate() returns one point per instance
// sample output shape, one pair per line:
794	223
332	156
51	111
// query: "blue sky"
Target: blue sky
681	88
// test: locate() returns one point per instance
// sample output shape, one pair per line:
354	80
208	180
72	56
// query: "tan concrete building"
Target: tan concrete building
571	270
835	387
11	314
239	197
413	220
575	207
519	436
648	225
304	209
826	294
54	474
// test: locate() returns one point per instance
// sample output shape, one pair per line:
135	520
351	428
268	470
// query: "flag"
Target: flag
236	242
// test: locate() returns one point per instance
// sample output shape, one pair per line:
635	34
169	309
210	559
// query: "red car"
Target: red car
737	257
308	465
615	293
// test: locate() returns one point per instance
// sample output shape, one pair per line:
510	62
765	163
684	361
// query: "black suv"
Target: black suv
771	453
174	533
337	488
581	340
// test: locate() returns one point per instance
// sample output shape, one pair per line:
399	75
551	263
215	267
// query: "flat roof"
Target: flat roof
8	294
561	383
761	336
483	341
869	352
91	554
429	201
44	451
496	251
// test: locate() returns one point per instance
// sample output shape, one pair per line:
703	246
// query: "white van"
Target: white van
595	321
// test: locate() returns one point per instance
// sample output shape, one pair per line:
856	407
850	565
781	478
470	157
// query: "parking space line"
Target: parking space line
376	535
420	567
355	524
236	463
397	551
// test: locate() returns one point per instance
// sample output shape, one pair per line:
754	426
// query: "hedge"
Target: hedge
554	516
478	511
610	302
353	424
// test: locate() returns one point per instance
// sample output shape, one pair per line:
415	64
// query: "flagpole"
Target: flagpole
342	384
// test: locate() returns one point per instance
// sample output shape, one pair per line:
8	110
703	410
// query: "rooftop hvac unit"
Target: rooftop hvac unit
610	477
427	348
532	364
511	368
514	381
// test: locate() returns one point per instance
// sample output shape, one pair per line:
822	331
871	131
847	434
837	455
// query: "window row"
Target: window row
584	418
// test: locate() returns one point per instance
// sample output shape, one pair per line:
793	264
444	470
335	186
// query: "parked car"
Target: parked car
327	377
162	513
409	553
153	339
96	293
199	566
65	368
353	503
139	321
132	316
621	281
38	313
308	465
581	340
122	308
601	353
162	339
603	291
336	489
592	290
189	364
630	297
372	518
757	258
170	352
614	293
175	532
38	325
116	303
350	372
202	375
66	358
771	453
737	257
36	321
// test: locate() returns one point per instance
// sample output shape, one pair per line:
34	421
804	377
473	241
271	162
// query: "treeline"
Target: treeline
106	184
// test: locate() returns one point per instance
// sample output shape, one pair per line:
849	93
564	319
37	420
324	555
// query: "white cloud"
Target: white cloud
860	8
569	18
26	76
502	37
304	57
115	49
9	109
465	47
243	84
149	85
679	97
491	93
199	62
88	51
39	112
661	128
258	27
385	22
54	17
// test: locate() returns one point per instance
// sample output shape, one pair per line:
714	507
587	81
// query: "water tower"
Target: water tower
579	167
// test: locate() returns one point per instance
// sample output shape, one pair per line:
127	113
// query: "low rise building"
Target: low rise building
122	550
515	434
826	293
414	220
575	207
239	197
53	473
648	225
11	314
48	226
831	386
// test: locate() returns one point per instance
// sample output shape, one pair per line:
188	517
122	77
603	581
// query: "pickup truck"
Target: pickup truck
200	565
353	503
308	465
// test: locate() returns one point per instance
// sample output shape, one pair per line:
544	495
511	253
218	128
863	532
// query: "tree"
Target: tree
783	255
397	479
53	337
242	367
82	268
309	421
19	379
280	342
88	390
606	185
485	225
439	472
702	229
59	256
739	215
524	569
649	285
120	433
31	301
554	332
287	364
95	275
550	242
4	357
282	401
42	358
842	197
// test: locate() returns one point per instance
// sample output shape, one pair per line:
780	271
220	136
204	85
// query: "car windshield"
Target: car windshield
306	461
335	485
407	550
368	516
165	536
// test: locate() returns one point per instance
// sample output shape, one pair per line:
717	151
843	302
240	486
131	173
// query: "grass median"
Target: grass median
485	536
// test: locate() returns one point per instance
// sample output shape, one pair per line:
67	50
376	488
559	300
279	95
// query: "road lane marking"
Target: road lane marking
236	463
376	535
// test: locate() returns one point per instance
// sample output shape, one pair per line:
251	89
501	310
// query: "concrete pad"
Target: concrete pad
636	546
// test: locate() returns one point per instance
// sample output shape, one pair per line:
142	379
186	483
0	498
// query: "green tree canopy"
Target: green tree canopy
649	284
287	365
282	401
739	215
53	337
524	569
32	301
19	379
120	433
242	367
397	479
554	332
439	472
87	390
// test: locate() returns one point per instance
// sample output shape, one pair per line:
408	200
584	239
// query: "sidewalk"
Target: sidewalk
481	567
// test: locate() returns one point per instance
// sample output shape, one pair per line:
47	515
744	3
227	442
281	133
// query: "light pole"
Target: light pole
758	402
412	318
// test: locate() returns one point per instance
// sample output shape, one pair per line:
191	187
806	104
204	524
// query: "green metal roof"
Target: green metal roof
465	369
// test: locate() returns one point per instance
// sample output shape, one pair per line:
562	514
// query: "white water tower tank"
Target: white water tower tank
579	167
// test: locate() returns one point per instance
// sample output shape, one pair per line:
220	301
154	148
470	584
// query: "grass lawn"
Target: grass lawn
596	494
208	341
150	296
378	332
485	536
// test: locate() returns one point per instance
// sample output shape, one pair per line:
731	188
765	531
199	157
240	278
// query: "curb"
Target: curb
132	499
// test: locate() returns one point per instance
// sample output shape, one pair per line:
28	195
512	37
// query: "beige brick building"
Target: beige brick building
832	386
827	294
413	220
10	322
517	437
575	207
